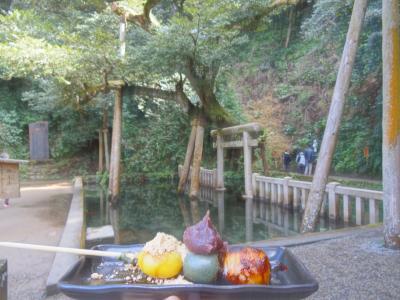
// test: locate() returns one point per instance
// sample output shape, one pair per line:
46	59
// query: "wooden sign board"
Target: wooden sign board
9	180
39	141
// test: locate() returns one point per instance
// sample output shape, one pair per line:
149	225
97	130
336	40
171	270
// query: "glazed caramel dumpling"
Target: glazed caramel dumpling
162	257
247	266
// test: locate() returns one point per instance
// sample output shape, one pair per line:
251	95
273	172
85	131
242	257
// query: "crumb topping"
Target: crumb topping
163	243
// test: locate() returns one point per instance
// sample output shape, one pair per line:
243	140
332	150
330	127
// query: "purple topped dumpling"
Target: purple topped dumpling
202	238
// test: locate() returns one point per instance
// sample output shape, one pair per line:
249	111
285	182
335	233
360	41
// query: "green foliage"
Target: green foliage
61	50
154	137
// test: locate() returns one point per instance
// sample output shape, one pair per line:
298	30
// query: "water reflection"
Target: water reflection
145	210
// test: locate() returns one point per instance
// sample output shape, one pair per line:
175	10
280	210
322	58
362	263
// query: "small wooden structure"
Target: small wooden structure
9	178
246	141
39	141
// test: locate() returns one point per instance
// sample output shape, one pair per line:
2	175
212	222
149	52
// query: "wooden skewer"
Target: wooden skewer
118	255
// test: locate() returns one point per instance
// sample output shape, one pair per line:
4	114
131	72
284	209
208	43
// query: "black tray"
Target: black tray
295	283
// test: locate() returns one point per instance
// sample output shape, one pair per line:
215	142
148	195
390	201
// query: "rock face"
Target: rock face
202	238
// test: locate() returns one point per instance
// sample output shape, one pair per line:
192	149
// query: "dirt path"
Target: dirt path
38	217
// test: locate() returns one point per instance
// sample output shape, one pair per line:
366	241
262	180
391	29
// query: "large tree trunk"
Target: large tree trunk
188	157
391	122
197	158
115	164
320	178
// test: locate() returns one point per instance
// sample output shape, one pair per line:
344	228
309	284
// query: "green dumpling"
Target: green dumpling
201	268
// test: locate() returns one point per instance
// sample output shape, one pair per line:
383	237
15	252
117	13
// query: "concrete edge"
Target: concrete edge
71	238
315	237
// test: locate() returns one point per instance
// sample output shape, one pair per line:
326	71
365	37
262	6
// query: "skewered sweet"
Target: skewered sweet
205	245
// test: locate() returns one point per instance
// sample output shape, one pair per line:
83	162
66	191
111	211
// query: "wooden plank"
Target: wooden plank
250	127
9	180
236	144
39	141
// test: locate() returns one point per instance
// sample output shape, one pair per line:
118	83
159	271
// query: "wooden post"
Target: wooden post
247	165
334	117
346	209
114	220
115	160
188	158
105	139
391	123
194	209
197	157
106	149
333	200
220	163
101	152
289	31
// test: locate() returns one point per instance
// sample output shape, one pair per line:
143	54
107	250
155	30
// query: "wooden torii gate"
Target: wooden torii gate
247	142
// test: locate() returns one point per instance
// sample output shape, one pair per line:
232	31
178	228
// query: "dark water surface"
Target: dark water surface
147	209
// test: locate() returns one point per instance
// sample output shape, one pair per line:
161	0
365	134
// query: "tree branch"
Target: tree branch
143	20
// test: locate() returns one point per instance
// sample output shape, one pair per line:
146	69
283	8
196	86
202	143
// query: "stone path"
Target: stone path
38	217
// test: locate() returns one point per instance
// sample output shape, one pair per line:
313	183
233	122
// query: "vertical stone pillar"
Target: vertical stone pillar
249	219
346	209
254	184
333	200
373	211
247	165
287	195
359	210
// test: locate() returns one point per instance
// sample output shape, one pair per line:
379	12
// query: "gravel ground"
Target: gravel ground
353	267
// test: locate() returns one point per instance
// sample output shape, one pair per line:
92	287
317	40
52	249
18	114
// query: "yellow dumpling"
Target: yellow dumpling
166	265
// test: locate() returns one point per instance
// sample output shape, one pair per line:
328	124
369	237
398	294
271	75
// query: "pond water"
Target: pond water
147	209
